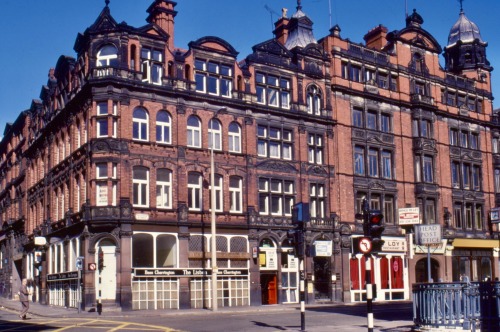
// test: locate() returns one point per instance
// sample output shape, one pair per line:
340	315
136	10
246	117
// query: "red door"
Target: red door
272	293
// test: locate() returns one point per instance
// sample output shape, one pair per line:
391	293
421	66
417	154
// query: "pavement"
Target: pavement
48	311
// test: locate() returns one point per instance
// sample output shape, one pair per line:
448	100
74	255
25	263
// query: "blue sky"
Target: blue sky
36	32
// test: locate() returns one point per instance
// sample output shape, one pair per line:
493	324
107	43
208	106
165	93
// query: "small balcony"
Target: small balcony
419	99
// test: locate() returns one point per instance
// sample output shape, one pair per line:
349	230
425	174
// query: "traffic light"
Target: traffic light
375	230
296	238
100	260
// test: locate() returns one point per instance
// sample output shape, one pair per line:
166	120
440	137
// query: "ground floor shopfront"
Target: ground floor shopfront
165	268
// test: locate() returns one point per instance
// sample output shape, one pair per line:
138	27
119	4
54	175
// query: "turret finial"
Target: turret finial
107	3
299	6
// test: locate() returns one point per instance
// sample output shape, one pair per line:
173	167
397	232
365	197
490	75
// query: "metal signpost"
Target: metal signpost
428	235
79	266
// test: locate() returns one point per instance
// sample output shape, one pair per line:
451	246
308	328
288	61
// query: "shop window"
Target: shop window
142	251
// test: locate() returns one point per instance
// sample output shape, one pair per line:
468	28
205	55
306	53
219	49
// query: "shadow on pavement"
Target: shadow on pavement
24	325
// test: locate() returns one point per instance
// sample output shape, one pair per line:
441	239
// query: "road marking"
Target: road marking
76	325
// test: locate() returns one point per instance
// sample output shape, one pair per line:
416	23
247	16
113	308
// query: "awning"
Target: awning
475	243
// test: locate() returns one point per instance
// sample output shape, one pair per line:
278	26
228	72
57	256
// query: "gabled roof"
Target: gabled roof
209	42
414	34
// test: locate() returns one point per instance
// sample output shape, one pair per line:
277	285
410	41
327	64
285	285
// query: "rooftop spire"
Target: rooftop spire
107	3
299	6
461	5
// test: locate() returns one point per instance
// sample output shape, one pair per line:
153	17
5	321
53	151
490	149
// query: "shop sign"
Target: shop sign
293	262
186	272
437	248
268	259
323	248
409	216
62	276
394	245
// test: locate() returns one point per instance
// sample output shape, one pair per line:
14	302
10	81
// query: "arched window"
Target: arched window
417	58
140	184
107	56
140	124
313	100
215	134
194	132
163	128
163	188
234	137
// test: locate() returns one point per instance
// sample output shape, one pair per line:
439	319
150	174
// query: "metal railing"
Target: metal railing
470	306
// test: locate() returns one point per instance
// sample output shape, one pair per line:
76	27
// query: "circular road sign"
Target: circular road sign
365	245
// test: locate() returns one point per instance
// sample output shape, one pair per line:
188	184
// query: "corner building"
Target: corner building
113	163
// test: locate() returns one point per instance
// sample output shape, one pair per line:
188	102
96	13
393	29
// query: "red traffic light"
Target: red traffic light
376	217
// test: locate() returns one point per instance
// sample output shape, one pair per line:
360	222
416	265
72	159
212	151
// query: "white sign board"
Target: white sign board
40	241
409	216
323	248
428	234
495	215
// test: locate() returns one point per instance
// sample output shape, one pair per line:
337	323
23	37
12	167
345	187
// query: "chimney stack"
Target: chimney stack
376	37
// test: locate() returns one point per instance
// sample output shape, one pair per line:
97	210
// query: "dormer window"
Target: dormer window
273	90
107	56
152	66
213	78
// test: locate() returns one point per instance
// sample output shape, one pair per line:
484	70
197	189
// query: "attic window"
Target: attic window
107	56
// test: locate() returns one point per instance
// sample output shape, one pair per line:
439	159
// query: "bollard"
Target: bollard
99	307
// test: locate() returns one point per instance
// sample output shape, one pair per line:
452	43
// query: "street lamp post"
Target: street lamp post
212	219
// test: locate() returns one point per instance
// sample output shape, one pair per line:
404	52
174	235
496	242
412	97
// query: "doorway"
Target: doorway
269	287
322	278
421	270
106	278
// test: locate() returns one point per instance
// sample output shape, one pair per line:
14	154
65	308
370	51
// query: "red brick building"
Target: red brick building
112	165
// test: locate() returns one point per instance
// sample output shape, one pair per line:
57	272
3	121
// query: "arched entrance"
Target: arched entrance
105	278
268	263
421	270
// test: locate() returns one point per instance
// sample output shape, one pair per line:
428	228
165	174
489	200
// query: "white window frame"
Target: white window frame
194	133
138	187
219	199
152	63
236	194
194	190
215	134
101	184
162	127
108	59
142	131
234	137
164	190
